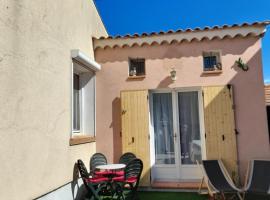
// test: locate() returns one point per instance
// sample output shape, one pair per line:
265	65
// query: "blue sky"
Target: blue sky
129	16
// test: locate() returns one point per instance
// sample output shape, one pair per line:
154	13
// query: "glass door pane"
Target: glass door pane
189	124
163	128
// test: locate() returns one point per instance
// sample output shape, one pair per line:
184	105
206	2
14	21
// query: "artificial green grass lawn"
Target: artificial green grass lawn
170	196
186	196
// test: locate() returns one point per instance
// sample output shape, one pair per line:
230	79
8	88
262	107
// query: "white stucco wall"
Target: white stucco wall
36	38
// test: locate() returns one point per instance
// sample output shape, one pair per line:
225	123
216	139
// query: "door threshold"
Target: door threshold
190	185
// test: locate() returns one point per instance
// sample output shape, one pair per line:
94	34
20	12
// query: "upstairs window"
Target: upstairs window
212	61
136	67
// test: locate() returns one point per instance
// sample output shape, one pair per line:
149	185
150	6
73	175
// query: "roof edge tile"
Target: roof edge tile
256	29
162	32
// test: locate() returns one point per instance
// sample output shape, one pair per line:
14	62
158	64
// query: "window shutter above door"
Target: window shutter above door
220	127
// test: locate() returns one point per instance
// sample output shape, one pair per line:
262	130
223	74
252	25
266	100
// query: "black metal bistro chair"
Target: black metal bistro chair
217	180
94	185
96	160
131	177
258	182
126	158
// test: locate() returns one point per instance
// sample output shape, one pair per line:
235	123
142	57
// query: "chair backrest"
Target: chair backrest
97	159
134	170
126	158
83	171
215	174
259	178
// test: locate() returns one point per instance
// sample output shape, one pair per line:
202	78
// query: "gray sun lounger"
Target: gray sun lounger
258	179
217	180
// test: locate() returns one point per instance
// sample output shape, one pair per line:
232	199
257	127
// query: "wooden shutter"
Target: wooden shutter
135	128
220	127
267	94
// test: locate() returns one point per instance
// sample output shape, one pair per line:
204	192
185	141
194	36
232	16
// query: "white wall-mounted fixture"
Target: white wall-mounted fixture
84	59
173	74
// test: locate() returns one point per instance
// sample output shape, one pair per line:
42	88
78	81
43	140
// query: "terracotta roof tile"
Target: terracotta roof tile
135	35
187	35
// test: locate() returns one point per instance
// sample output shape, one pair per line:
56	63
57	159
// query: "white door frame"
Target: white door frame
178	169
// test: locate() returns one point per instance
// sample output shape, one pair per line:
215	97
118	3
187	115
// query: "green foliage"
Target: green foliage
241	64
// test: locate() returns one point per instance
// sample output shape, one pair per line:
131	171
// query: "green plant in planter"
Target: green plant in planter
241	64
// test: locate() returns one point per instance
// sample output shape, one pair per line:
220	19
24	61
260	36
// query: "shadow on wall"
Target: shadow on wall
116	126
249	117
165	82
248	92
78	190
219	127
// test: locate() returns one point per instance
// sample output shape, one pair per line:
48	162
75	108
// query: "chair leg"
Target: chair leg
240	197
200	187
211	193
211	197
95	195
223	196
119	191
232	197
214	197
244	196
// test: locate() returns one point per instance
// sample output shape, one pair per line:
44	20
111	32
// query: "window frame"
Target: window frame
211	53
86	63
81	132
130	59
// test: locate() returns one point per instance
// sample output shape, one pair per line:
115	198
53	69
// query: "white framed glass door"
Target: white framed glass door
163	129
176	121
189	121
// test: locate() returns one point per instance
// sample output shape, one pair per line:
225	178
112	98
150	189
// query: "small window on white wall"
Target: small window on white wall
83	115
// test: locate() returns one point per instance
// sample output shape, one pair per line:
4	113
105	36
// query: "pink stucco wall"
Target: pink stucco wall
186	58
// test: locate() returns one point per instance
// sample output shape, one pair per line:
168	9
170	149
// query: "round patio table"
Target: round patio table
111	186
111	166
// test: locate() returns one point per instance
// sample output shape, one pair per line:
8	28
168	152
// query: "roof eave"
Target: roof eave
245	30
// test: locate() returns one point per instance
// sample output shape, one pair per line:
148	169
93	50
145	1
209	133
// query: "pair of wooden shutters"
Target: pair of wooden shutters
220	140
